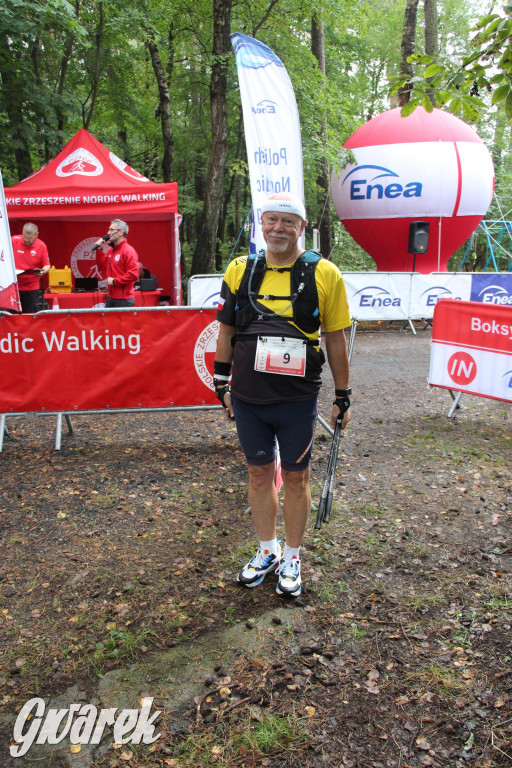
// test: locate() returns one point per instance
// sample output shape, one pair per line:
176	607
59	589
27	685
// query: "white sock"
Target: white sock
290	552
269	547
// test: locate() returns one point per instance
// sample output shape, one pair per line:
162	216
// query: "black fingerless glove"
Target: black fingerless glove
221	376
221	388
342	400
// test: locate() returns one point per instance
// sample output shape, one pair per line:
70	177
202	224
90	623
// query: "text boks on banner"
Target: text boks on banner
106	360
472	348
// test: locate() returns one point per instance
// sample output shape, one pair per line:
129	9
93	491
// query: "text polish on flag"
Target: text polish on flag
272	128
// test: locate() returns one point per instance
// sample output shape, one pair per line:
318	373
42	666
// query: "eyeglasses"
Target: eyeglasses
112	229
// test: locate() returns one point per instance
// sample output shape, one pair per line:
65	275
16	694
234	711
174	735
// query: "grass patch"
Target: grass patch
447	683
272	733
121	645
371	511
455	449
355	632
258	735
419	603
499	602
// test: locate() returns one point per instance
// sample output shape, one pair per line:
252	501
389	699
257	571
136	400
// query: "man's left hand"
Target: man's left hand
334	416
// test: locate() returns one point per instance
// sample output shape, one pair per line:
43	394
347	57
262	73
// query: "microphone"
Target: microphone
104	238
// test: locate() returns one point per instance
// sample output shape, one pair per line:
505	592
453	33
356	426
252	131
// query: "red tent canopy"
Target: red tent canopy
75	196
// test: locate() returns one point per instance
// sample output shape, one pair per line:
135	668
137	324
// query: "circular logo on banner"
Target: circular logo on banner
462	368
80	162
204	353
125	168
83	259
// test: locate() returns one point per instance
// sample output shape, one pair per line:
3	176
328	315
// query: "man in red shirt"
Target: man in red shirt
121	265
31	257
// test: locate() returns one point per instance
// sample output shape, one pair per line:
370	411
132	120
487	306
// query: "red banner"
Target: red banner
472	348
65	361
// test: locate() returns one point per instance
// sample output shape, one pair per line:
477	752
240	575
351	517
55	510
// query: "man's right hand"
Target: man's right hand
228	402
224	395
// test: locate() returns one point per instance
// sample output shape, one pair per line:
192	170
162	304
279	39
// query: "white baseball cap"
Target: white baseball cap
284	206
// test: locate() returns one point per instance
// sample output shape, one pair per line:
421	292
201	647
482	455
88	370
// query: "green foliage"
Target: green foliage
259	734
65	65
457	83
121	645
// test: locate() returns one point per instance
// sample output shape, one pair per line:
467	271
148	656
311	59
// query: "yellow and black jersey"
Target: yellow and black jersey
273	316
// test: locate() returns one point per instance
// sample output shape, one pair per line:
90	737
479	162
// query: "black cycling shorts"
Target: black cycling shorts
291	424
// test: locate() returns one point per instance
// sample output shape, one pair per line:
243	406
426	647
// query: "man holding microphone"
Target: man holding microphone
120	263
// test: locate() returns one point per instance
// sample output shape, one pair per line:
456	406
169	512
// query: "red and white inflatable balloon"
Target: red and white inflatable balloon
429	166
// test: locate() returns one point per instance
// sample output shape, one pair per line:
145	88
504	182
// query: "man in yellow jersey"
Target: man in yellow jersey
271	307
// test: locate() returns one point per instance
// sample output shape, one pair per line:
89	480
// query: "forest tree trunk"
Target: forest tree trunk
408	47
204	254
98	37
164	103
324	205
431	35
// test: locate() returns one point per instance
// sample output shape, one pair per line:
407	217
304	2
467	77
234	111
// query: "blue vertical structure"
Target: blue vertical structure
498	240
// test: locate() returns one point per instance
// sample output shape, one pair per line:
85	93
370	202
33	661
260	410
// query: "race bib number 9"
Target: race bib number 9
286	356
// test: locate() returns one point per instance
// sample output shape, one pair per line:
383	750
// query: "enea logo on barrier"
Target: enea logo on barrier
431	296
509	374
495	294
212	300
362	189
492	289
204	353
375	296
265	107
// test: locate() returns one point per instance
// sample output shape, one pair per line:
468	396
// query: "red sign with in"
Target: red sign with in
462	368
472	348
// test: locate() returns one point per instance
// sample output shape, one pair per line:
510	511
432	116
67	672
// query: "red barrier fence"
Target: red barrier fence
107	359
472	349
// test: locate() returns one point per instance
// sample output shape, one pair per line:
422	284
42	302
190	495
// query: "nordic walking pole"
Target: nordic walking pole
325	490
334	450
324	510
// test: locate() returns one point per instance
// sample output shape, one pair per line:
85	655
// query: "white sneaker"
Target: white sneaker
289	584
256	569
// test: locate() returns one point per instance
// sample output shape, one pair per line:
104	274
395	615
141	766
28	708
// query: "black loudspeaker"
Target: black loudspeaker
418	236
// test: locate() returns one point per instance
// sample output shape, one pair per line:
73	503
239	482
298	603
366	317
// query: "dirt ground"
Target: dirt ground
125	545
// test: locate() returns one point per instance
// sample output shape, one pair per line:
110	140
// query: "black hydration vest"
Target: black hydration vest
303	290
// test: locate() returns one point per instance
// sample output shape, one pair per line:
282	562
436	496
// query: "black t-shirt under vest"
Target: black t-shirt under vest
253	319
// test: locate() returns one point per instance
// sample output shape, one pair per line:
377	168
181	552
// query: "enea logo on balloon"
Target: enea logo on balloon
265	107
495	294
362	189
375	296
